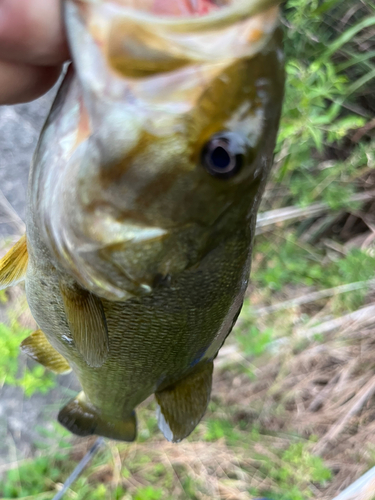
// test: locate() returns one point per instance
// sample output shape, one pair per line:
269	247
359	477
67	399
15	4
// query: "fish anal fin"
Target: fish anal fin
13	265
37	347
81	418
182	405
87	323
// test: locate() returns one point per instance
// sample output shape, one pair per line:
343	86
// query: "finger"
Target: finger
22	83
32	32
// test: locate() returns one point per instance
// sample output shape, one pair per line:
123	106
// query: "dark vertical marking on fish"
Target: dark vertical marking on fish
13	265
87	323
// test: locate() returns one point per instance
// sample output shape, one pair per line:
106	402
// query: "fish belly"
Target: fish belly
155	340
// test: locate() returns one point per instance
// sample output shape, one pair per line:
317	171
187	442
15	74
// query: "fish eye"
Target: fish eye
223	154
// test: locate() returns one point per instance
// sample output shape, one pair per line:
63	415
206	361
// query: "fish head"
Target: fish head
170	123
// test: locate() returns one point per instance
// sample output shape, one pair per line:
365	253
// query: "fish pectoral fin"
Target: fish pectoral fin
37	347
13	265
182	405
87	323
83	419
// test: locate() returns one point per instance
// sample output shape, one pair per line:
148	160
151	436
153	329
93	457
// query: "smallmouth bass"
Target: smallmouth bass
142	203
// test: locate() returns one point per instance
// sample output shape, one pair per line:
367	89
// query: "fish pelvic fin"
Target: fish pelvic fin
87	323
83	419
182	405
13	265
37	347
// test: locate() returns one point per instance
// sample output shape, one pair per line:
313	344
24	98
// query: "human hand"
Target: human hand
32	48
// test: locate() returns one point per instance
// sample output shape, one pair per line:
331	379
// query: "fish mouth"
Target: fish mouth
140	38
176	8
188	11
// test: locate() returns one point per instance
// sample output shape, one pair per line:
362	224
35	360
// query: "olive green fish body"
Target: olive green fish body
156	339
142	206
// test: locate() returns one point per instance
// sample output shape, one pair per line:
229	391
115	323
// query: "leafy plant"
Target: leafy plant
294	263
252	340
219	429
31	380
148	493
325	73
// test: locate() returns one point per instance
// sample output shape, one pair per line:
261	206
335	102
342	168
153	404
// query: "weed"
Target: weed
293	263
221	429
252	340
31	380
297	470
148	493
322	59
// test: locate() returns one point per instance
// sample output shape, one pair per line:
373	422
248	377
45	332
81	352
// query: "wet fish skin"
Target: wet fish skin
138	257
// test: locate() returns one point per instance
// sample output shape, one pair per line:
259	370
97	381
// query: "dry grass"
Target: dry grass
327	390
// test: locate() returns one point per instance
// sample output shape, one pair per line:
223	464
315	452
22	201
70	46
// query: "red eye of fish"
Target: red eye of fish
223	154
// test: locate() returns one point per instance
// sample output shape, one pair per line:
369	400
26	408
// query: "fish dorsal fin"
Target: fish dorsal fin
37	347
182	405
87	323
13	265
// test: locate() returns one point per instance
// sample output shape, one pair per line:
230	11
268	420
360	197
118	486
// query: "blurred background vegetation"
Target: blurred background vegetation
293	408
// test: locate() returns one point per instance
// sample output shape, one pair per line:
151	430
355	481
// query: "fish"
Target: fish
142	202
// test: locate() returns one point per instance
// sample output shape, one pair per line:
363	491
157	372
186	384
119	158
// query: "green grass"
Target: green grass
37	478
35	379
287	261
148	473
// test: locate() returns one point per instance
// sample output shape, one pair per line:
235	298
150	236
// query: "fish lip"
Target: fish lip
220	18
134	45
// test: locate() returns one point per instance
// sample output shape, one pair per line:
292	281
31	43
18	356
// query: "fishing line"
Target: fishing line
79	468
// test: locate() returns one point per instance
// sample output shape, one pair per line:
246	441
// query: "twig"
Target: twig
363	130
314	296
319	398
358	402
79	469
268	219
364	316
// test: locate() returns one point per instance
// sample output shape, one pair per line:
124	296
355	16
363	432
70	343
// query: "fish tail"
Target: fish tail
13	265
81	418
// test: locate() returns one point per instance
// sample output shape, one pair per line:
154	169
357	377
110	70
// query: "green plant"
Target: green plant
148	493
326	72
221	429
30	479
252	340
298	469
35	379
294	263
38	476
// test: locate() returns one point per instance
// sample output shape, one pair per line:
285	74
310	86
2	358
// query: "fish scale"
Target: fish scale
142	205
